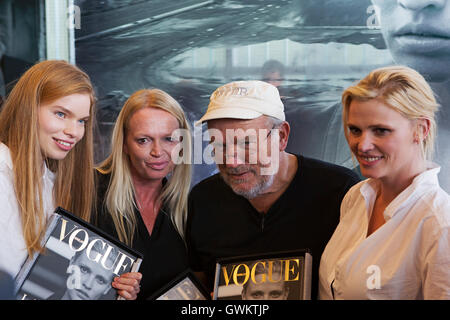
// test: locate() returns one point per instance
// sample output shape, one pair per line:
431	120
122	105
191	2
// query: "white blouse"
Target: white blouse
13	250
408	257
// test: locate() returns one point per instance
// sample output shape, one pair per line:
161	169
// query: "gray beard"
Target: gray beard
257	190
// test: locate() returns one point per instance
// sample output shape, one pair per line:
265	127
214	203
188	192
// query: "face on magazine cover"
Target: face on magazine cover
88	279
265	284
265	290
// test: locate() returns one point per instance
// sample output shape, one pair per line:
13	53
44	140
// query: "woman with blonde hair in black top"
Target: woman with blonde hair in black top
144	185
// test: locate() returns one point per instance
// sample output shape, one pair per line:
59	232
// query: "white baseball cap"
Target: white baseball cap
244	100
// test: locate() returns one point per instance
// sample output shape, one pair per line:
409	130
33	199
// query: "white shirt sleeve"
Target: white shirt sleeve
436	262
12	249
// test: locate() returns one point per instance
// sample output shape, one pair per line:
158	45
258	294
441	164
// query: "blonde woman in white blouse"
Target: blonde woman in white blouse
393	238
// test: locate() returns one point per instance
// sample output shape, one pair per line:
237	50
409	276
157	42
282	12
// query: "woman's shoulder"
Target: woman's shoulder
354	198
437	207
356	190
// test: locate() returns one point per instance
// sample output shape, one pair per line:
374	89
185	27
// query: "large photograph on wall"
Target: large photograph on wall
22	39
310	49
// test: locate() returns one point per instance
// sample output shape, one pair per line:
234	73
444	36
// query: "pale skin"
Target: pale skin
148	201
149	145
250	175
62	124
127	285
387	147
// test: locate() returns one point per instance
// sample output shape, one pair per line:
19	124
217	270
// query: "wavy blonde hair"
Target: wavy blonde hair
74	187
402	89
120	195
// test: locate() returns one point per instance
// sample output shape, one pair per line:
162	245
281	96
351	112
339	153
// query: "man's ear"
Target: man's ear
284	129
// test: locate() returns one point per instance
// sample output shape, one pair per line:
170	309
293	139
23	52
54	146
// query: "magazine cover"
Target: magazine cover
185	286
79	262
275	276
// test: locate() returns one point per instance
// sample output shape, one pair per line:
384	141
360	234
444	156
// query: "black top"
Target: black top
164	250
223	224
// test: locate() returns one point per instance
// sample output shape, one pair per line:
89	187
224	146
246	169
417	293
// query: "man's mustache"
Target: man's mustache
239	170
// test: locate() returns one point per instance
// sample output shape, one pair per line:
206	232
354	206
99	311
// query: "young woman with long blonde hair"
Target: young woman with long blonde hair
143	190
46	156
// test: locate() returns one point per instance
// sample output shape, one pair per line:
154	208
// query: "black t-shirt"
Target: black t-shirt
164	251
223	224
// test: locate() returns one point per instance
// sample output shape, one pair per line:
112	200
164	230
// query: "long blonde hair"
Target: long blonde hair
402	89
74	187
120	195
